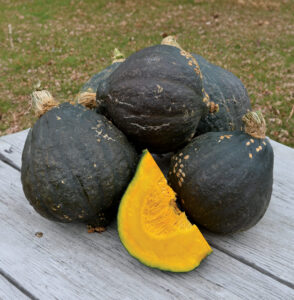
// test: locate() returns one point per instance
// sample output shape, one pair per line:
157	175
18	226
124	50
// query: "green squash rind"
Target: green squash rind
98	79
226	91
227	181
156	98
76	165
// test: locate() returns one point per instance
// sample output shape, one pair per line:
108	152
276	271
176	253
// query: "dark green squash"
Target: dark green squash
224	179
75	164
225	90
87	94
156	98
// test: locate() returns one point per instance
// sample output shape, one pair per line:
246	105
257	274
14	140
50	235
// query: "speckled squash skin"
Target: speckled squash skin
224	180
156	98
228	92
76	165
98	79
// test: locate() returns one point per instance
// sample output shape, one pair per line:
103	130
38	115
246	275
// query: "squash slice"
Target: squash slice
152	228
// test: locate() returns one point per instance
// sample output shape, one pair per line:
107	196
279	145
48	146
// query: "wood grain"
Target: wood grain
68	263
11	148
9	291
267	247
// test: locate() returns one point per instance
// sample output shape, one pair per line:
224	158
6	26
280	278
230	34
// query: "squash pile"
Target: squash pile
81	161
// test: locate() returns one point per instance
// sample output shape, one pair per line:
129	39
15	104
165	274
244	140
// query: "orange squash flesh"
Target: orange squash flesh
152	228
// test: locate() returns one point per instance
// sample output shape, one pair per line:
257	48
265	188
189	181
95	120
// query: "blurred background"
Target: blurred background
62	43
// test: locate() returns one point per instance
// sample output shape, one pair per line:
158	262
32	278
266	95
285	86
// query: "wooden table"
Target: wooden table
69	263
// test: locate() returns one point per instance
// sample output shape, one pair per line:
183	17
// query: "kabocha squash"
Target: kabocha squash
75	164
156	98
224	179
225	90
151	226
87	94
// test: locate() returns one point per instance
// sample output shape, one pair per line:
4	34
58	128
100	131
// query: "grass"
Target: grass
62	43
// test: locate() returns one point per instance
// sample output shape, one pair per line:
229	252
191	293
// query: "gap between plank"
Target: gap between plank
253	266
9	162
17	285
231	254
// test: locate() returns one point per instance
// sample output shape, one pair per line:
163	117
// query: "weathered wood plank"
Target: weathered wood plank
69	263
9	291
257	247
11	147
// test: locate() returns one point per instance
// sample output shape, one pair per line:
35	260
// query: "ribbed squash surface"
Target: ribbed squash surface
151	226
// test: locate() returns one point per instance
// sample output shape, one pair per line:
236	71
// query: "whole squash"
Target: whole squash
228	92
225	91
224	179
156	98
75	164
